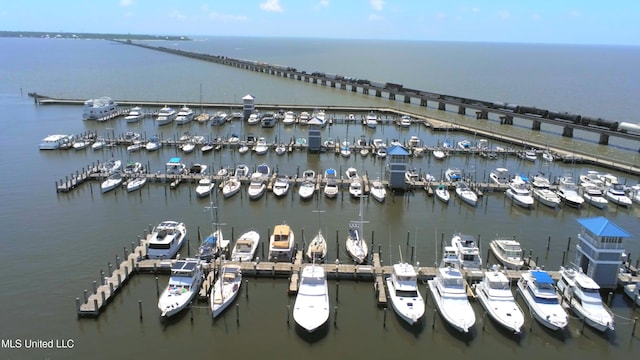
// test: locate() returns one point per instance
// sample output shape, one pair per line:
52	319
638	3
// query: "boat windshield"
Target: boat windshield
453	283
405	293
499	285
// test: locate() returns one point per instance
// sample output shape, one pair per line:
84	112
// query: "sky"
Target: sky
615	22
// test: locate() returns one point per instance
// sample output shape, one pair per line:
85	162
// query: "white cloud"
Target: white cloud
126	2
227	18
177	15
376	17
441	16
377	5
324	3
272	6
504	14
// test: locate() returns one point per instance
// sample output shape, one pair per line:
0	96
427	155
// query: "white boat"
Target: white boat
134	115
256	187
317	249
243	148
500	176
635	194
381	153
450	296
153	144
465	193
345	150
264	170
331	186
582	294
241	171
467	250
453	174
439	154
188	147
254	118
289	118
281	186
355	189
133	167
378	191
101	108
405	121
464	144
204	187
372	120
593	195
519	192
231	186
110	166
378	144
166	239
268	120
184	116
166	115
567	191
175	166
246	246
352	173
136	183
411	176
495	296
542	192
547	155
508	252
306	190
136	146
442	193
184	284
617	195
591	177
311	308
320	116
539	293
261	147
632	290
225	289
530	155
81	144
304	118
281	243
356	245
54	142
99	144
198	169
406	300
113	181
281	149
218	119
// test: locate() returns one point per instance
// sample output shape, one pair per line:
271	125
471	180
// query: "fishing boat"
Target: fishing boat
378	191
406	300
225	289
246	246
184	284
311	308
281	243
448	290
317	249
166	239
508	252
582	294
442	193
539	293
495	296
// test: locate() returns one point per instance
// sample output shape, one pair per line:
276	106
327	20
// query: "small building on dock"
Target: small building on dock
248	105
314	138
396	167
600	249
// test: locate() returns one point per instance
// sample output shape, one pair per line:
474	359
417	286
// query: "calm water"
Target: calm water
55	244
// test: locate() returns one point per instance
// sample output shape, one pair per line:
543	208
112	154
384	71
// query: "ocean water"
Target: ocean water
56	244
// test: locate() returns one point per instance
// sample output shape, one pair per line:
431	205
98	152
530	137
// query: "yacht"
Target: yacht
281	243
530	155
519	192
311	308
495	296
218	119
442	193
465	193
467	250
184	284
54	142
100	108
500	176
508	252
185	115
582	294
542	192
617	195
539	293
378	191
204	187
406	300
246	246
166	115
568	194
405	121
449	293
591	177
289	118
268	120
166	239
136	146
225	289
281	186
304	118
594	195
256	187
317	249
320	115
352	173
134	115
372	120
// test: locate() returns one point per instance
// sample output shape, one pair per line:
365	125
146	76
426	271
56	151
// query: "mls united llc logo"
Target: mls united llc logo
38	344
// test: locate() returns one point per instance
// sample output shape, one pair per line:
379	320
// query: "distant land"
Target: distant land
68	35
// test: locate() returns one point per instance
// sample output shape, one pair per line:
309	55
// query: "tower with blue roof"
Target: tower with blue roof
396	167
599	250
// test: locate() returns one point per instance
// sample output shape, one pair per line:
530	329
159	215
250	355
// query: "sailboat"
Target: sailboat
216	237
356	245
317	249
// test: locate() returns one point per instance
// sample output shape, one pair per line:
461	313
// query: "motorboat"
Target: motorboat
345	150
136	183
198	169
542	192
355	189
243	148
381	153
378	144
593	195
465	193
175	166
153	144
166	239
261	147
331	188
371	120
411	176
356	245
442	193
281	186
547	156
519	192
136	146
133	167
304	118
203	117
495	296
317	249
204	187
99	109
617	195
405	121
582	294
268	120
406	300
438	154
218	119
281	243
453	174
539	293
54	142
500	176
530	155
448	291
110	166
185	115
378	190
508	252
241	171
113	181
635	194
231	186
307	189
464	144
567	191
81	144
289	118
246	246
166	115
225	289
632	290
320	116
591	177
264	170
256	187
188	147
281	149
311	308
254	118
467	250
352	173
184	283
207	146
